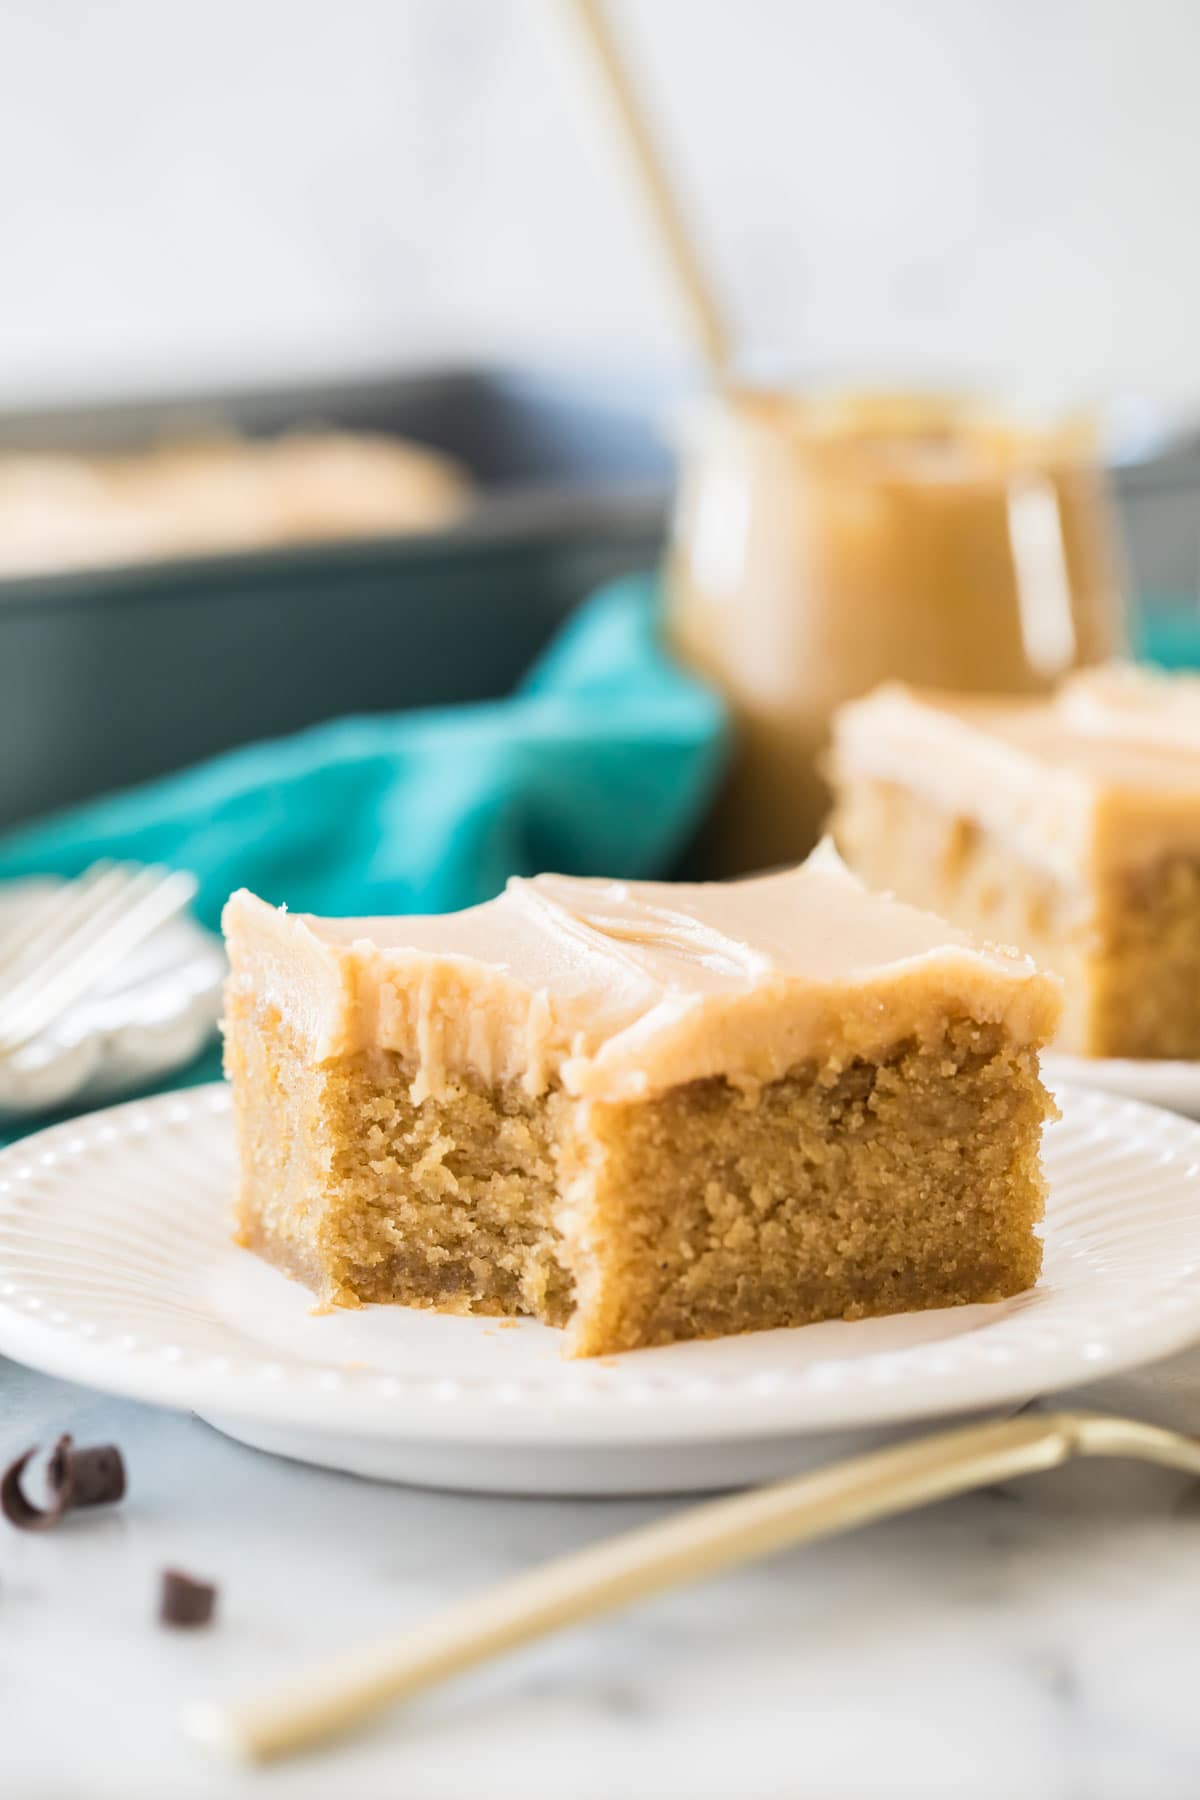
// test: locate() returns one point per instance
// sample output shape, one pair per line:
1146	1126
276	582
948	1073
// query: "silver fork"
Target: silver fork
78	934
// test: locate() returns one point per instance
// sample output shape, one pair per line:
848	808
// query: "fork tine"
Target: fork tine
90	937
40	989
150	898
104	901
53	914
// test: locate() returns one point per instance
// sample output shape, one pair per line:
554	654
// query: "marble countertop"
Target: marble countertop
1040	1640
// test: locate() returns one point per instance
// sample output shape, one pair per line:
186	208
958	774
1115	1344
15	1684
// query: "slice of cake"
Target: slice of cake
641	1111
1069	826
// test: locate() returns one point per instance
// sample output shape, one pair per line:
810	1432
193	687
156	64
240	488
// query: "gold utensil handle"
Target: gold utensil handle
337	1694
666	215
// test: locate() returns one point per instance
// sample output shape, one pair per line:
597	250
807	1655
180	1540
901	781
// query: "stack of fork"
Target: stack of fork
75	936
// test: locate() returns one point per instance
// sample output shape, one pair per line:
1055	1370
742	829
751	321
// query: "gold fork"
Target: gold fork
337	1694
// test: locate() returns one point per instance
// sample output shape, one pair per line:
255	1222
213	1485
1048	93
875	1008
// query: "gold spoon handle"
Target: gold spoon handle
662	202
339	1693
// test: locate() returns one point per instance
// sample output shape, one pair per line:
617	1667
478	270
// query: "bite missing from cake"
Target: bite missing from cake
642	1111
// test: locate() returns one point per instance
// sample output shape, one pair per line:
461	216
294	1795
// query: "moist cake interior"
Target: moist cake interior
842	1189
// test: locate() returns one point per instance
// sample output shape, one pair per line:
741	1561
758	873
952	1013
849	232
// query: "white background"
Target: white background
1003	190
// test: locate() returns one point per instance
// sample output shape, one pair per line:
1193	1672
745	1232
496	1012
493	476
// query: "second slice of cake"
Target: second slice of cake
1068	825
645	1112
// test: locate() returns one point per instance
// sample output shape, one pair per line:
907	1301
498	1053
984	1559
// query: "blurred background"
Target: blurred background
250	189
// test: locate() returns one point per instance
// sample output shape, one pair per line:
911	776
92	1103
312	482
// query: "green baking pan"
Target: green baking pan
115	675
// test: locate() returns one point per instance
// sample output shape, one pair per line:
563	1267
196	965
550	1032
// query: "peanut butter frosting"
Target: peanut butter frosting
1139	708
1105	774
618	990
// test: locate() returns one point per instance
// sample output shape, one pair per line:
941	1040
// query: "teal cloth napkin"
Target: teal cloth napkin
1168	633
601	763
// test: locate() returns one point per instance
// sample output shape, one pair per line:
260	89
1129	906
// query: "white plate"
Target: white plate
1172	1084
151	1014
116	1269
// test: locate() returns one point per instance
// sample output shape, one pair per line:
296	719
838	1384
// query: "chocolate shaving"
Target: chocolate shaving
75	1477
185	1602
16	1508
91	1477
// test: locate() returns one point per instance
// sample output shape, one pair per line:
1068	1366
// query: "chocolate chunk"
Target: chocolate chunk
16	1508
91	1477
74	1477
185	1602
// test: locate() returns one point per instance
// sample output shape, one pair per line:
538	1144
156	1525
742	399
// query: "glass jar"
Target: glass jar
822	546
